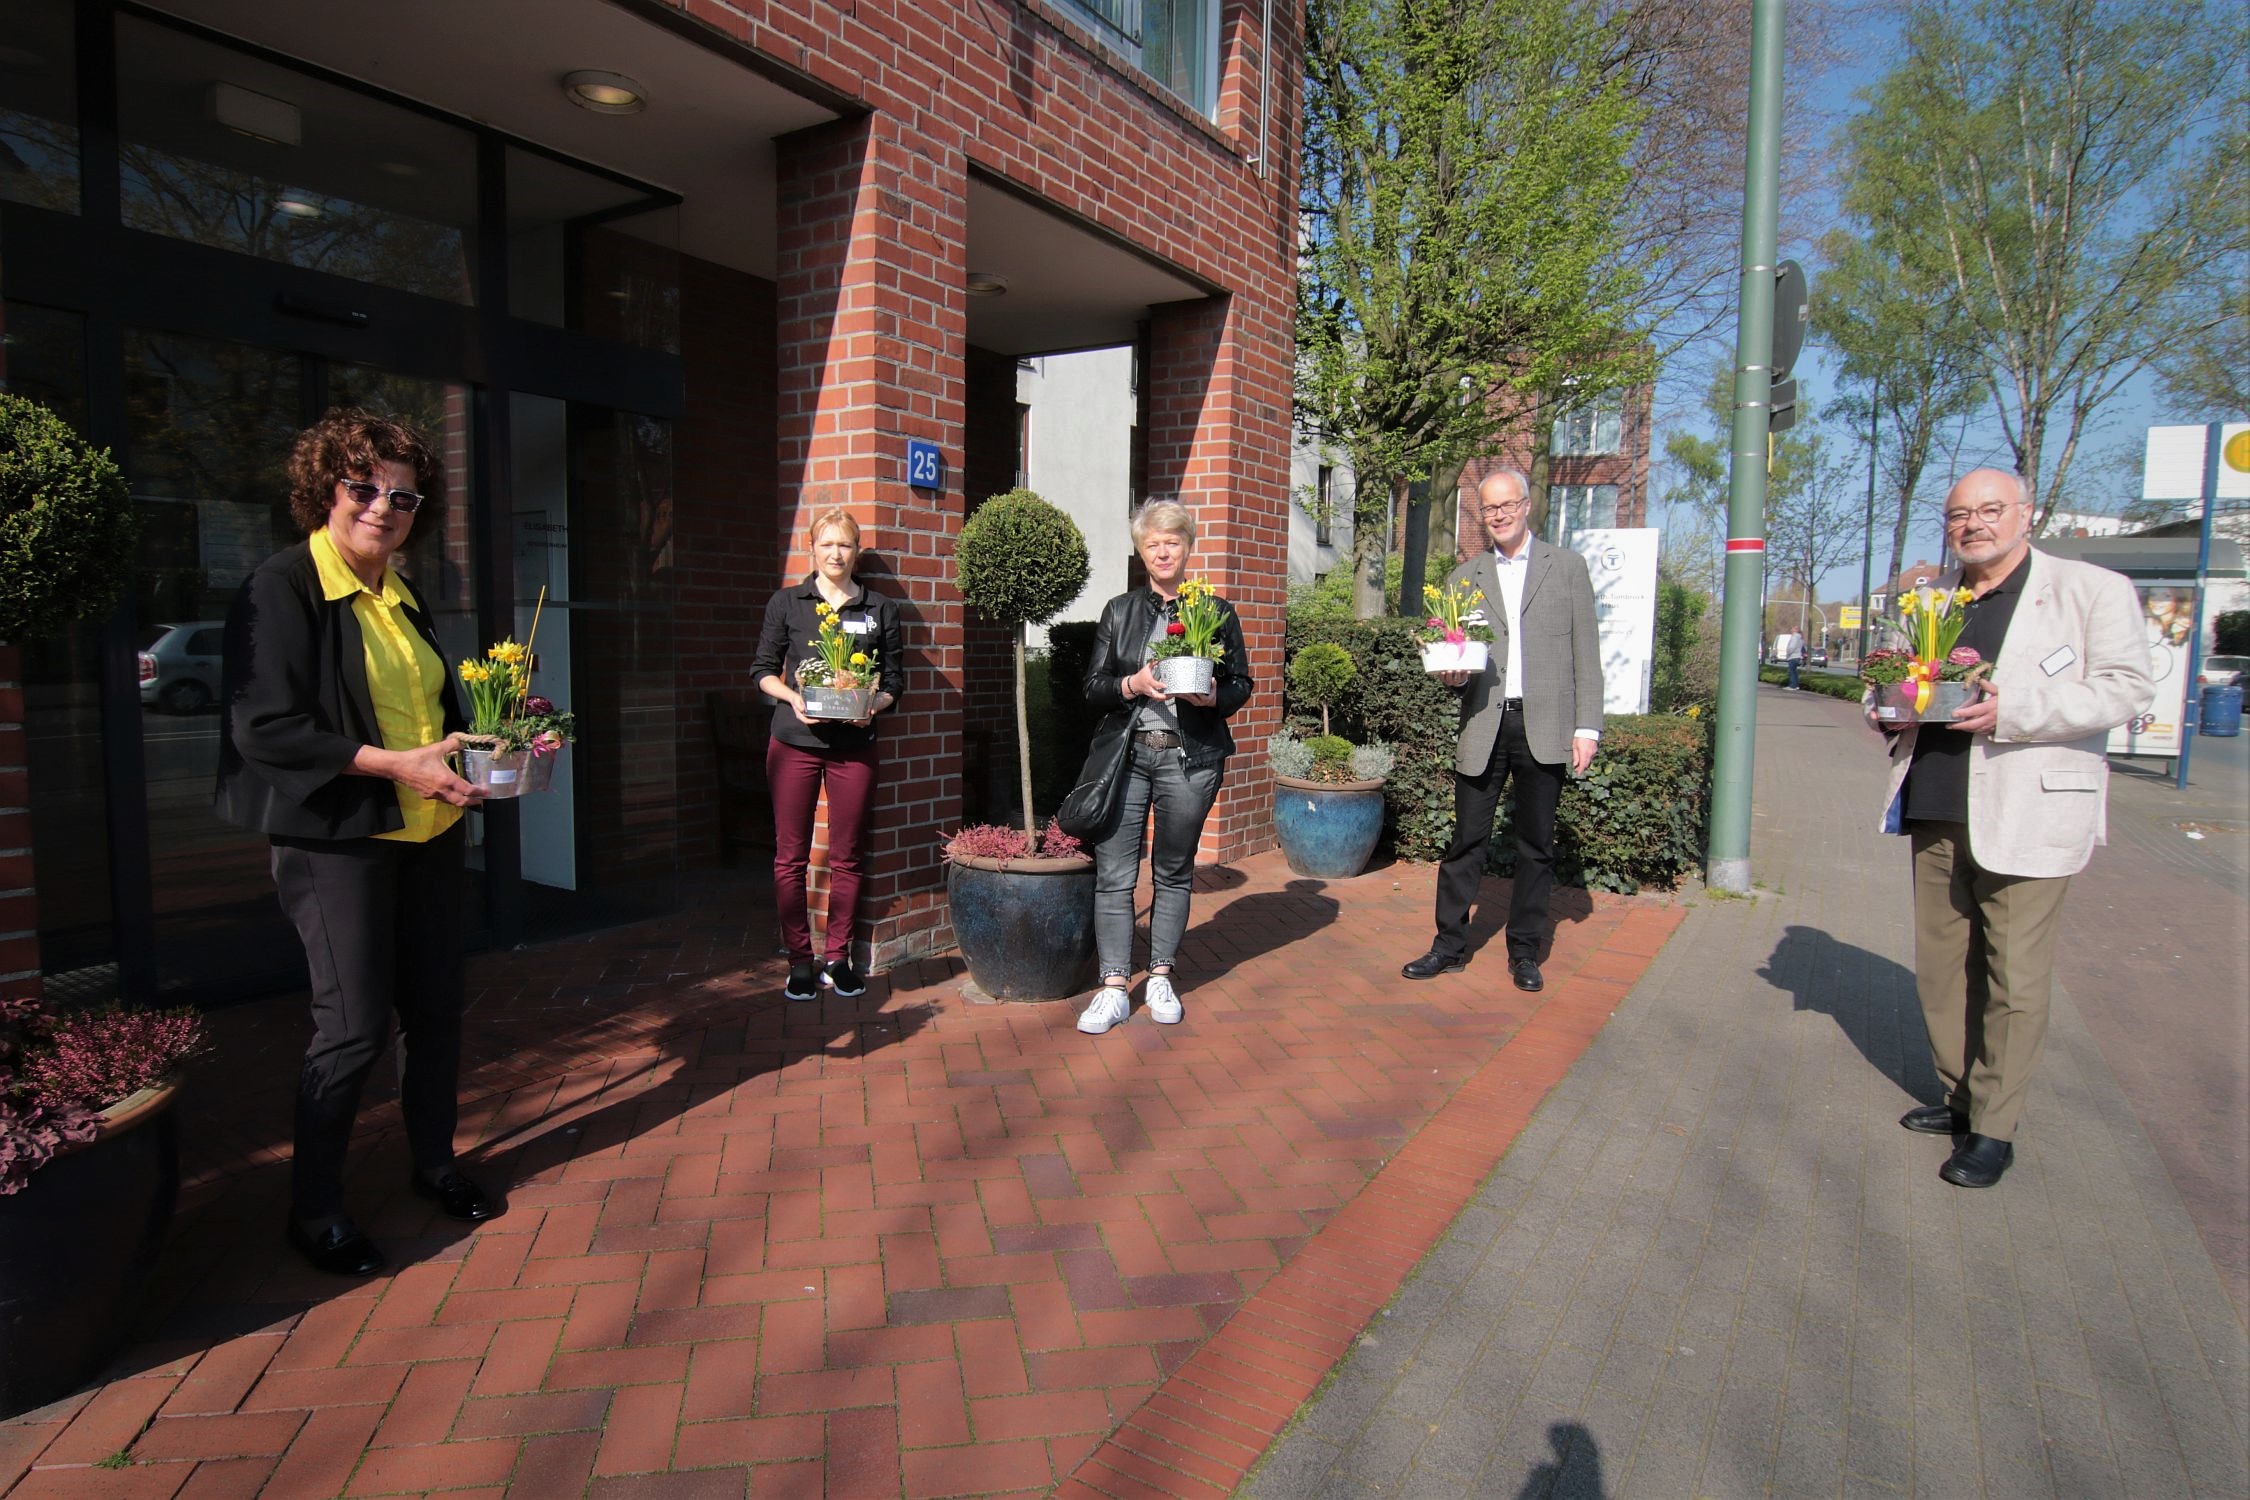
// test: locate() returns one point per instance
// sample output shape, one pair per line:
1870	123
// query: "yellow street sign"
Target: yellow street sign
2237	452
1847	617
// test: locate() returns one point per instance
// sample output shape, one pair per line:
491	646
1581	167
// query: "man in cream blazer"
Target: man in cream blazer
1533	715
2005	804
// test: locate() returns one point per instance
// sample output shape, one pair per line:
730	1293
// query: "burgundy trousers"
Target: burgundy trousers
795	777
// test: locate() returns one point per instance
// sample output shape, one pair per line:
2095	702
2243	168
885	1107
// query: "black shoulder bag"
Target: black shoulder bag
1101	781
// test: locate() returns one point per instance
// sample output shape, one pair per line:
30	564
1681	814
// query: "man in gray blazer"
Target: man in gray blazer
1535	710
2004	804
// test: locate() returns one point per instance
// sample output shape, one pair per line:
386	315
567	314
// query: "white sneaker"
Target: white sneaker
1162	1000
1108	1008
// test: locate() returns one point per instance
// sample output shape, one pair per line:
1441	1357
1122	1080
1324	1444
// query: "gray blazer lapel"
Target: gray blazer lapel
1535	572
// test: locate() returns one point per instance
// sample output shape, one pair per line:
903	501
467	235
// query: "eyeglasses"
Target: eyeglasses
405	502
1505	507
1989	515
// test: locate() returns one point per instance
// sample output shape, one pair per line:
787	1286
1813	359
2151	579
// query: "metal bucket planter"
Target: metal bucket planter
77	1244
1186	676
499	772
1895	703
836	703
1455	656
1025	927
1327	829
539	774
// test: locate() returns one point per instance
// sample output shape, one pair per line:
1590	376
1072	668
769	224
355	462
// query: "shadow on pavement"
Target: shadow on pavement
1574	1472
1870	997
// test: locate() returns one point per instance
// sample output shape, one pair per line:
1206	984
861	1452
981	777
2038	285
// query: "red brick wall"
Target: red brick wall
725	498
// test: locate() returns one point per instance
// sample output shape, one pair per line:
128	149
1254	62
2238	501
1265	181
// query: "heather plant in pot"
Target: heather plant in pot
1327	792
1022	900
89	1172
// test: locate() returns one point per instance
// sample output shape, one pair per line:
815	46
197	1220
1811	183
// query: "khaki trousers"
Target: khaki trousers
1984	950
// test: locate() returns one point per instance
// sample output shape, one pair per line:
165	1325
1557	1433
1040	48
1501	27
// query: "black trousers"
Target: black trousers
1475	800
381	924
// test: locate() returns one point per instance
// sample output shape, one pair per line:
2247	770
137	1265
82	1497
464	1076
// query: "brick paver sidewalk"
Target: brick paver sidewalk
901	1246
1713	1265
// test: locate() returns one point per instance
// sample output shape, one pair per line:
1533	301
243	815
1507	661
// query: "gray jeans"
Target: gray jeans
1183	800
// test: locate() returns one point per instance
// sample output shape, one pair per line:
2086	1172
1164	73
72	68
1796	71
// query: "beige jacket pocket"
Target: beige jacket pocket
2069	781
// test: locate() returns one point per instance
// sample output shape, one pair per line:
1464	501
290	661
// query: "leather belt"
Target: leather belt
1157	739
1511	705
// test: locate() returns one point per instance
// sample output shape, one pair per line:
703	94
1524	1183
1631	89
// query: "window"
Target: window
1579	507
38	106
1324	507
1172	41
1594	427
1023	445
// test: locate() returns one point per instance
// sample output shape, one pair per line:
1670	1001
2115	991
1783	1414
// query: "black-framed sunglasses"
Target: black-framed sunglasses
362	492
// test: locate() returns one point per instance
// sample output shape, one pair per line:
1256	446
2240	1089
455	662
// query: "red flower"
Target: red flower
1175	628
538	706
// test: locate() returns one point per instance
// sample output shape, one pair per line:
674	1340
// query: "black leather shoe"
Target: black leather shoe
1936	1119
340	1250
1525	972
1431	964
459	1198
1979	1162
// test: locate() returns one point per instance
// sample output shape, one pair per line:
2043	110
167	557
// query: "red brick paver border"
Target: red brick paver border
901	1246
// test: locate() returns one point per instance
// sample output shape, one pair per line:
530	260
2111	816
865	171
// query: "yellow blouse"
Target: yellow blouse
405	678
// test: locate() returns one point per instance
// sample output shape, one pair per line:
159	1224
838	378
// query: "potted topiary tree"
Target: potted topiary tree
1327	792
89	1157
1022	899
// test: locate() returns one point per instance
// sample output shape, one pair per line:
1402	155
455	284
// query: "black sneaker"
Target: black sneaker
804	981
839	975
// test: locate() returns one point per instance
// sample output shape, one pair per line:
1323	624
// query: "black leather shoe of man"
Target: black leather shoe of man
340	1250
1979	1162
1525	972
1431	964
459	1198
1936	1119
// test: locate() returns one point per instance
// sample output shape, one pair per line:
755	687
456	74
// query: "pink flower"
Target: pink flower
1963	656
546	743
1456	637
1436	623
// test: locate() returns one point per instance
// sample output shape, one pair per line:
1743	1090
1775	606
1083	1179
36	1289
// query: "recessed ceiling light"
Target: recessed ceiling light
399	168
604	93
986	284
297	206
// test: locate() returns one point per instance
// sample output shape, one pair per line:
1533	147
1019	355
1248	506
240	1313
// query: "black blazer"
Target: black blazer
1121	649
294	709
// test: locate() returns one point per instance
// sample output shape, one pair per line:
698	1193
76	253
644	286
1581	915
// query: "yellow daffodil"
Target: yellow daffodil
859	658
507	651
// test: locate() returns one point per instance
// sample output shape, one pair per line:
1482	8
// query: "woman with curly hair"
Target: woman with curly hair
338	718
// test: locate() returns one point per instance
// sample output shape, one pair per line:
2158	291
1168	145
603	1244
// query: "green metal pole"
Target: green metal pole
1727	861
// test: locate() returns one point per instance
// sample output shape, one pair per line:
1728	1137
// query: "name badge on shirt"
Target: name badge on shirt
858	627
2057	659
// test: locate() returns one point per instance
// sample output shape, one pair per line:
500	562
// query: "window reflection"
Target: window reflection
225	150
38	105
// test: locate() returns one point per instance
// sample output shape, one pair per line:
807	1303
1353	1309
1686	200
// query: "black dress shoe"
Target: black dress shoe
1979	1162
1936	1119
459	1198
340	1249
1431	964
1525	972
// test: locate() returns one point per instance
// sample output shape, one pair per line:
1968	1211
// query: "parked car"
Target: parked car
180	667
1816	656
2224	671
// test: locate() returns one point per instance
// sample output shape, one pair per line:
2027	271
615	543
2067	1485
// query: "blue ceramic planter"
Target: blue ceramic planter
1327	831
1025	927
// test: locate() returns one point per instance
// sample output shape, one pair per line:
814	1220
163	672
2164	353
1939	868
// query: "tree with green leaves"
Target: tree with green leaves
2055	163
1464	161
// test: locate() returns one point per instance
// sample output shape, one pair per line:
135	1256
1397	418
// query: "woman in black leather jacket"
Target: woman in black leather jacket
1178	758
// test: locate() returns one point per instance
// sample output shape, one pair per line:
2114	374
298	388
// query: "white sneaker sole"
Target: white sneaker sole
1167	1015
1095	1025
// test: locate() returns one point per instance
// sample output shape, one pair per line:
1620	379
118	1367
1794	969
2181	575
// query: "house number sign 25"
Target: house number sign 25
925	465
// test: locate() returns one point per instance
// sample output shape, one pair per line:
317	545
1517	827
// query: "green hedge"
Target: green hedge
1847	688
1636	818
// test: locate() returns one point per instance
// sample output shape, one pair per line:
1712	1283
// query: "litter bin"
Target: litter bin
2222	709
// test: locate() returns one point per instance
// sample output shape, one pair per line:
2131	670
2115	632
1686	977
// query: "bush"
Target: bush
66	524
1019	560
1637	818
1684	671
1848	688
1329	597
2230	633
1320	674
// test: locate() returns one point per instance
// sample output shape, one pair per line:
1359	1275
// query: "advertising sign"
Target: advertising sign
2168	608
2173	468
1622	562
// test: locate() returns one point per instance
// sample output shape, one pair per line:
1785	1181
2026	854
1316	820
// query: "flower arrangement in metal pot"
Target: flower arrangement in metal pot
1192	625
1455	635
1914	691
840	673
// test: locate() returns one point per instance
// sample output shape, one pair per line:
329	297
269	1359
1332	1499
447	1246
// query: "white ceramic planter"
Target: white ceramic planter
1448	656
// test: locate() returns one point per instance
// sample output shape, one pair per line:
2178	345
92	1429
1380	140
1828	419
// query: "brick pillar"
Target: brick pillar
1218	438
872	339
19	896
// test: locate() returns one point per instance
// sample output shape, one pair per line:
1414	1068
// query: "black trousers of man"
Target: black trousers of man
381	924
1475	799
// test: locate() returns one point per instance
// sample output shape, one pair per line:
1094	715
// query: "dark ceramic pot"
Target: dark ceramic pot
1327	830
76	1247
1025	927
